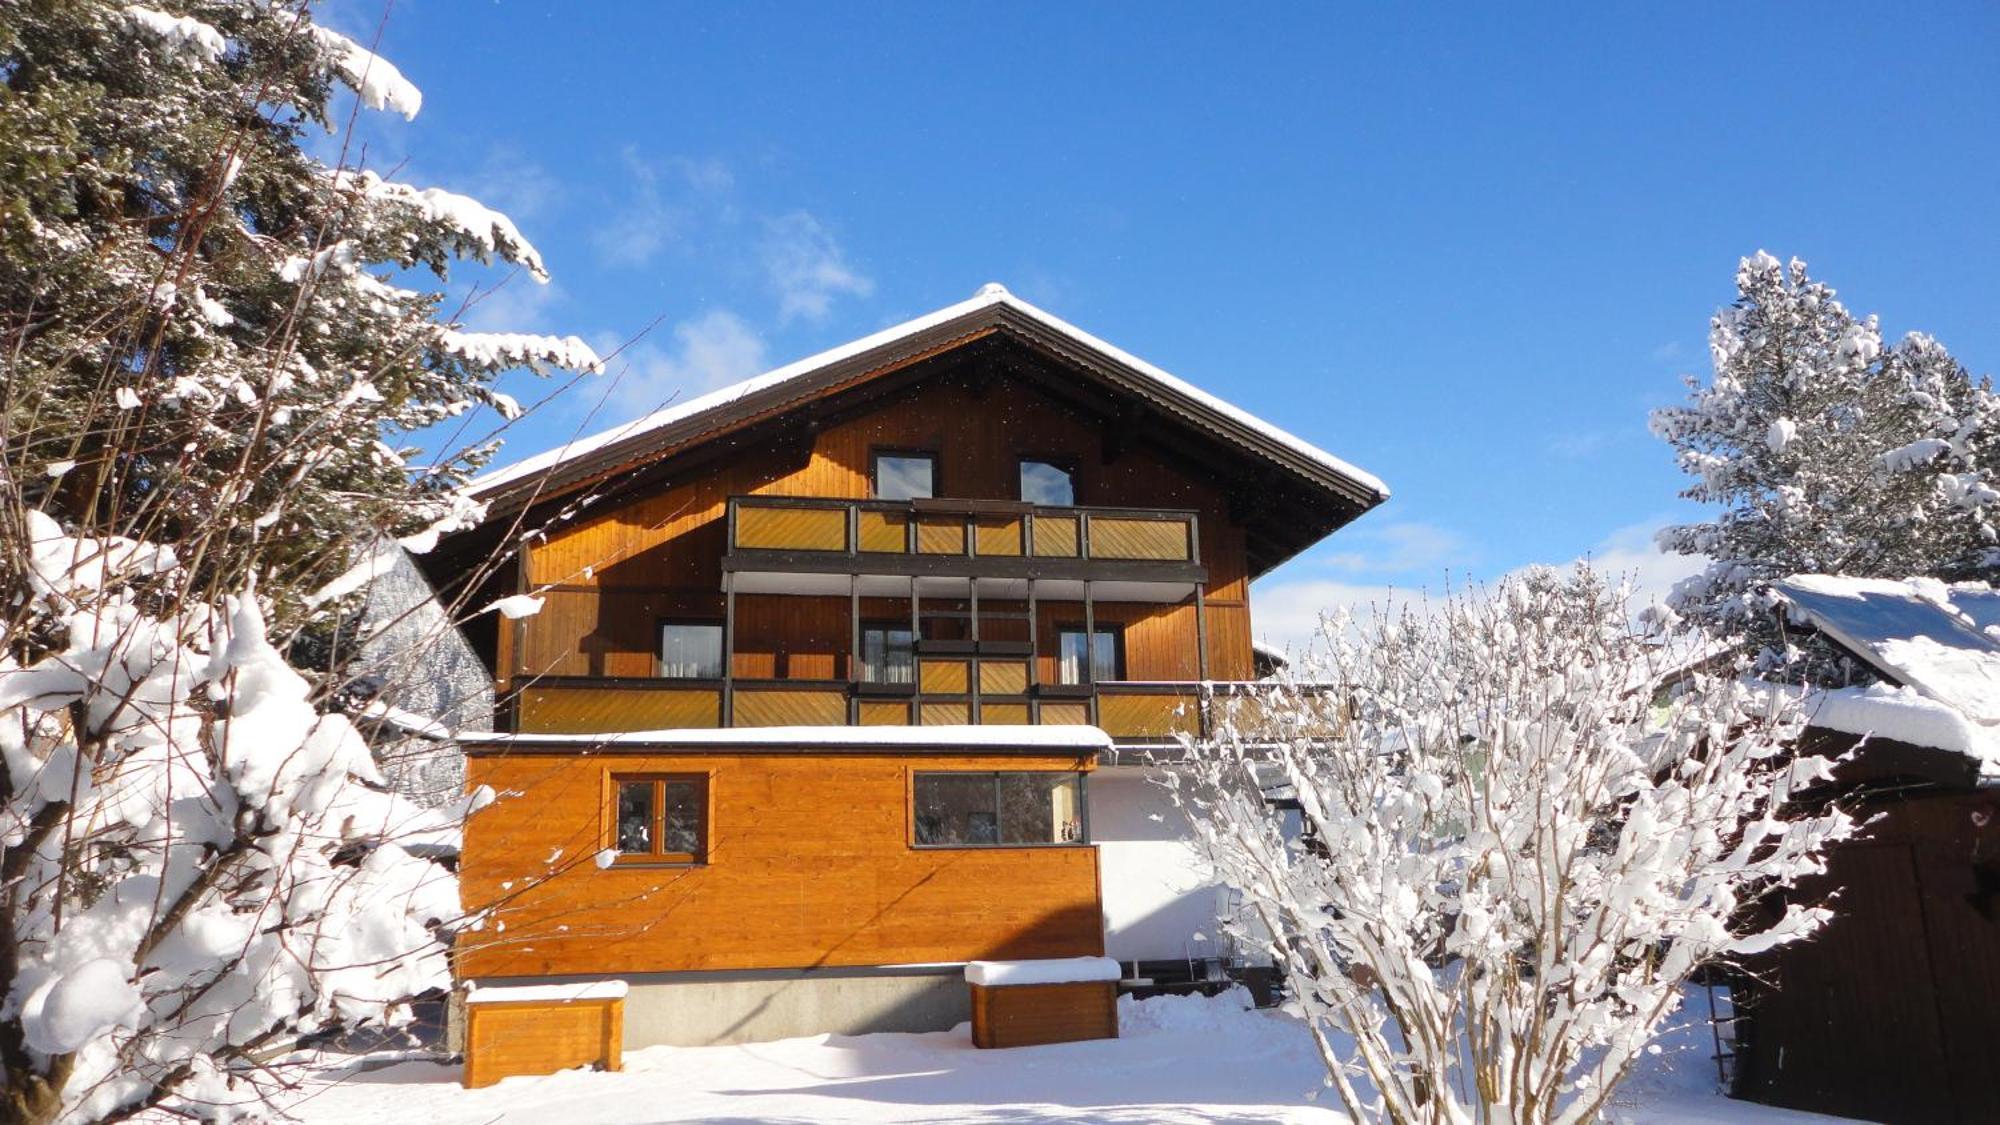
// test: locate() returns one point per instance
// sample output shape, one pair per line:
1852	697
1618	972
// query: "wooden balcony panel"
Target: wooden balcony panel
940	535
943	677
946	714
1161	713
1003	677
998	536
607	710
1056	537
878	713
1152	540
1003	714
1065	714
883	533
776	528
791	707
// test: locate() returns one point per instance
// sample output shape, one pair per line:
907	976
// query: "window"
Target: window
1047	484
905	476
691	650
1101	653
887	655
998	810
662	818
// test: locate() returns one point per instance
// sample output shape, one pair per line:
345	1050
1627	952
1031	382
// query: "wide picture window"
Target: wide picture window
999	810
661	818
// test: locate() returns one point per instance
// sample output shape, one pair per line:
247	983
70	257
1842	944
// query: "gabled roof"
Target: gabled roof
992	310
1936	645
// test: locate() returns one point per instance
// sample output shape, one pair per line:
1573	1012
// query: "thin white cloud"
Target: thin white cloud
712	350
1287	613
665	202
806	268
1631	553
1400	548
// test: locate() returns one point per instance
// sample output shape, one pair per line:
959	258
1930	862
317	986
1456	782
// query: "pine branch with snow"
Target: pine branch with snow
1507	856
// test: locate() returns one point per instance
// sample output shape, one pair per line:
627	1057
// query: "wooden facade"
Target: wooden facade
1892	1011
612	576
811	863
759	518
1029	1015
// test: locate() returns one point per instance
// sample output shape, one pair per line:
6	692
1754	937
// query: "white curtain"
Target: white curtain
691	652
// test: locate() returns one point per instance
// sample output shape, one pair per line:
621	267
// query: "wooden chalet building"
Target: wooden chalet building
827	661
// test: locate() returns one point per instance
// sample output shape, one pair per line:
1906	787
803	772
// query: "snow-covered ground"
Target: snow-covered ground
1177	1061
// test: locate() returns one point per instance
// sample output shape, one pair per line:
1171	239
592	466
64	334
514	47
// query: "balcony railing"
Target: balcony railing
943	536
1130	712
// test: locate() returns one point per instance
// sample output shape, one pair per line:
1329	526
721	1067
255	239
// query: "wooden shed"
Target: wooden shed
1892	1012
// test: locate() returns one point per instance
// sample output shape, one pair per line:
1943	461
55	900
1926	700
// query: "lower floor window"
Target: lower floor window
661	818
999	809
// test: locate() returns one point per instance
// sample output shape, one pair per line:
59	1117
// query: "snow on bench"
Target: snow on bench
1057	970
545	993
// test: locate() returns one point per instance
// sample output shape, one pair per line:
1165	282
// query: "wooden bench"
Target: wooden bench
1025	1003
540	1029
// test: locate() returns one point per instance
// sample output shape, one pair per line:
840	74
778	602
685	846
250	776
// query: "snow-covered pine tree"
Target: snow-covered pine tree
214	352
1828	452
201	318
1504	859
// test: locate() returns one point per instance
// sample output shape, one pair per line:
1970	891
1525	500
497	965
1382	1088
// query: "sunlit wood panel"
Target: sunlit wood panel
1056	537
884	533
998	536
1118	537
597	710
1151	715
1003	677
791	529
941	535
942	677
784	708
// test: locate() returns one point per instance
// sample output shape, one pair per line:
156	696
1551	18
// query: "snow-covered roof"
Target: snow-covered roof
990	297
1938	645
1054	736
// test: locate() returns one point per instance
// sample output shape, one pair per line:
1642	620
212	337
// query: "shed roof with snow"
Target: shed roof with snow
1936	648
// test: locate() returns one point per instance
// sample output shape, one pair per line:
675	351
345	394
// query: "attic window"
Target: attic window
1047	484
905	476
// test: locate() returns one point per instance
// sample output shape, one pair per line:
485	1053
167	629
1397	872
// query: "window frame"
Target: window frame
1082	776
660	648
1117	631
860	656
1065	465
877	452
704	804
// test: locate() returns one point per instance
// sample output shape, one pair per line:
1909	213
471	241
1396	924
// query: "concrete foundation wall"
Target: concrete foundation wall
704	1009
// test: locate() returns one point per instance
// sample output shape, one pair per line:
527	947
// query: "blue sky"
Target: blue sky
1466	251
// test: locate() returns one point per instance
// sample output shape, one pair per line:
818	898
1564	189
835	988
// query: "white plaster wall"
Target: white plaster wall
1158	890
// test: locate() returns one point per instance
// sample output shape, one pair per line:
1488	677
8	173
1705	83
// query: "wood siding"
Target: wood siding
541	1037
810	863
1027	1015
620	570
1892	1011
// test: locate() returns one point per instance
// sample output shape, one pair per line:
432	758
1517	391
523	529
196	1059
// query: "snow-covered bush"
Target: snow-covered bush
216	352
199	865
1490	855
1829	452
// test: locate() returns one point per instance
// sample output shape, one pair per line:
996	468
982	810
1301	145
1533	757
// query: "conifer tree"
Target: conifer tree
217	355
1828	452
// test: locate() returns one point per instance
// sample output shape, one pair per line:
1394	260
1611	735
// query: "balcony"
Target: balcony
948	692
814	546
